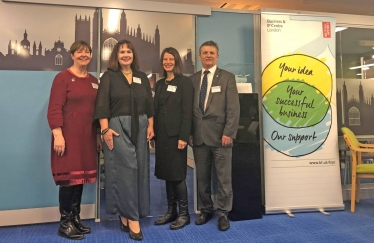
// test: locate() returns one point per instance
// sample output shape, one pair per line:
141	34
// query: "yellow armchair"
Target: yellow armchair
359	170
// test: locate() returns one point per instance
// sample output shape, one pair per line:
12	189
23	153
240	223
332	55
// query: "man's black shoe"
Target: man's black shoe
223	223
203	218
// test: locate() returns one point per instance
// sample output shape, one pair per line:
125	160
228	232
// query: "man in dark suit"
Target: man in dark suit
215	124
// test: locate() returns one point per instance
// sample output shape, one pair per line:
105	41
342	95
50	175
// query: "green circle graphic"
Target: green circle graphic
295	104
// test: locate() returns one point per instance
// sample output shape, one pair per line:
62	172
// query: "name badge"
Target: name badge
95	86
216	89
136	80
172	88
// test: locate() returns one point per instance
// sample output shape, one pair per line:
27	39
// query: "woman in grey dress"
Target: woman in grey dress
124	107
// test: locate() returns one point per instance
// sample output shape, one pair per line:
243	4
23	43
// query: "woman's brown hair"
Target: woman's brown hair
113	63
79	44
178	66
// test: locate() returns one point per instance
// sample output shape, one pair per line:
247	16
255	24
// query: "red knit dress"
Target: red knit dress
71	107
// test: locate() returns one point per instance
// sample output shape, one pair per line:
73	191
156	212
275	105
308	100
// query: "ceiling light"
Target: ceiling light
240	6
251	7
337	29
363	66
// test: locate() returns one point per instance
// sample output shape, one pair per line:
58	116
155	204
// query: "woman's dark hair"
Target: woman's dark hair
178	66
113	63
79	45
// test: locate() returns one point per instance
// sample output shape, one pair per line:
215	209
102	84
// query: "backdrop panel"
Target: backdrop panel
150	33
234	35
31	40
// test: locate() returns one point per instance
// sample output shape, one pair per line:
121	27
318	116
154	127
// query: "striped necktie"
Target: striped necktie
203	88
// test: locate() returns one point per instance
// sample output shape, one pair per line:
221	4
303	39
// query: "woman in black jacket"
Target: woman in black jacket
124	108
173	117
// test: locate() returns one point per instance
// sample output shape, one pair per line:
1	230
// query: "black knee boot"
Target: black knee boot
76	209
172	213
67	228
183	217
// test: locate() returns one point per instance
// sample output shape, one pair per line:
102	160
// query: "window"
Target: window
58	59
354	53
354	117
108	47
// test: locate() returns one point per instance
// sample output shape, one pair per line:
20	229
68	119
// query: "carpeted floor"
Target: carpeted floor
341	226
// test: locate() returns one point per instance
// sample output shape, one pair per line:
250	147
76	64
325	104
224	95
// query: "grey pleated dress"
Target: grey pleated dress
127	165
127	170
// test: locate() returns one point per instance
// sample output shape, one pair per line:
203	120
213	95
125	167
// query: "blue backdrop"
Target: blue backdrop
234	34
25	174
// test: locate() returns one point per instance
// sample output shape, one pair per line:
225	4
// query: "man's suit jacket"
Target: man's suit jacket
177	108
222	110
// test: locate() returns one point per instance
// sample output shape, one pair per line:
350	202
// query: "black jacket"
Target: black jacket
177	109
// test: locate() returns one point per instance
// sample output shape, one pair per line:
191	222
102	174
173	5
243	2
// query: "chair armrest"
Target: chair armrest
364	150
366	145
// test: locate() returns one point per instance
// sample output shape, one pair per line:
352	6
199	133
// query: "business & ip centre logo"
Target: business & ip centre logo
275	25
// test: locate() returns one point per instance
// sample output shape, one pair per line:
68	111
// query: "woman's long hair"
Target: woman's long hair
178	66
113	63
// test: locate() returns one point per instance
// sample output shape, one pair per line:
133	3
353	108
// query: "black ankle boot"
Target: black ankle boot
183	218
76	209
67	228
172	213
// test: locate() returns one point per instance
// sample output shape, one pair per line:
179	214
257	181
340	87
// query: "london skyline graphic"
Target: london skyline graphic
355	105
34	56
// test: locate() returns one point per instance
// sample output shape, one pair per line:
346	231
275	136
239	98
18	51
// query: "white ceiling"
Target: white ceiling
359	7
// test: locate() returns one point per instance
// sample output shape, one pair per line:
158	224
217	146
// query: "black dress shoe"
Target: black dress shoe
136	236
124	228
223	223
203	218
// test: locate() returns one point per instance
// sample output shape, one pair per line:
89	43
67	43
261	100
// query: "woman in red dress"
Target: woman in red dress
75	139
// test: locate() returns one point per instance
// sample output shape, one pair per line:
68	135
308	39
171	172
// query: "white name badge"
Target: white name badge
216	89
136	80
172	88
95	86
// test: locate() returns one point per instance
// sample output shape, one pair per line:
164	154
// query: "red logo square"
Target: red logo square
326	28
